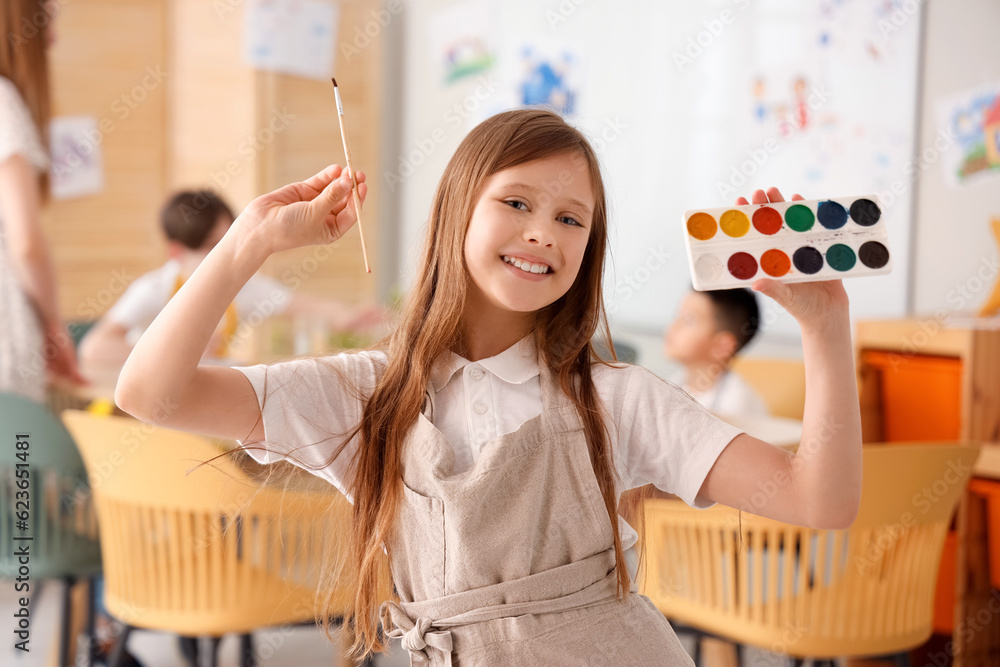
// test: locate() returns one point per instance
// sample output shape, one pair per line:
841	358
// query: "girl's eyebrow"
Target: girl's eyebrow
532	189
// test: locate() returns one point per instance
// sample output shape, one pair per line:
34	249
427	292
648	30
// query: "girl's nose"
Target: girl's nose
536	234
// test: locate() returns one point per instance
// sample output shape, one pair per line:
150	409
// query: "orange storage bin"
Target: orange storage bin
921	395
990	490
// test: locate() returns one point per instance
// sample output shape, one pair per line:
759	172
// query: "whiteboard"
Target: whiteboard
689	106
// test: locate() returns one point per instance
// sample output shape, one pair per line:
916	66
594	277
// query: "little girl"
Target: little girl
485	446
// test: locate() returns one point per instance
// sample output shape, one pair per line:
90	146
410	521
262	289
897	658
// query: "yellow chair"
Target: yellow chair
781	383
202	551
865	591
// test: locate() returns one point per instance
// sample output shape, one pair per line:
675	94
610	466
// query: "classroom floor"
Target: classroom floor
276	647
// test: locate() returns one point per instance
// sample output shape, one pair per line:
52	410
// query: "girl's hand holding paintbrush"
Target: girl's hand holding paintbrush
316	211
817	305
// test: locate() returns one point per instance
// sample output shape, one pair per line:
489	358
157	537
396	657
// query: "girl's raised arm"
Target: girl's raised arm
820	485
161	381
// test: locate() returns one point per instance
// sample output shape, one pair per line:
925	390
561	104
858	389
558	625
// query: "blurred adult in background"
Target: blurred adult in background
33	337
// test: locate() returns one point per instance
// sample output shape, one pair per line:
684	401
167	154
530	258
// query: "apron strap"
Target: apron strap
430	649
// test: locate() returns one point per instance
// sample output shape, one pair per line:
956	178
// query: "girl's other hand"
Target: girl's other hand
812	304
316	211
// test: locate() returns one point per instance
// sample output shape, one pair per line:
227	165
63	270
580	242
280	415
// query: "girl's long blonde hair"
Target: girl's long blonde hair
24	26
430	324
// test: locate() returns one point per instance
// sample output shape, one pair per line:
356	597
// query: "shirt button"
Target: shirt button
480	408
477	374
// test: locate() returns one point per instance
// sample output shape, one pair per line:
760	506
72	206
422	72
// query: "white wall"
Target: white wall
960	54
953	238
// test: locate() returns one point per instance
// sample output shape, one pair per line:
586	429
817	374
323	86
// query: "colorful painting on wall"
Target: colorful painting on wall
970	140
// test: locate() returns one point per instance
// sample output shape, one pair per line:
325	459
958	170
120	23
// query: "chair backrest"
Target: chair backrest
867	590
207	551
130	460
50	444
43	494
781	383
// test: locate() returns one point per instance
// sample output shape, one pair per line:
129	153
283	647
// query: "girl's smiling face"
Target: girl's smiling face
528	233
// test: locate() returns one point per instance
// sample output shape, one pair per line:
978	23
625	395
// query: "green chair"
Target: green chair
46	508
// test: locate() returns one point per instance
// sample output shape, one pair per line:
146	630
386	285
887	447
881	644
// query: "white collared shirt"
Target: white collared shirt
476	402
148	294
659	434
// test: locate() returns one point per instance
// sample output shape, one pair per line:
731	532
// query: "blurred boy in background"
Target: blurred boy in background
193	222
709	331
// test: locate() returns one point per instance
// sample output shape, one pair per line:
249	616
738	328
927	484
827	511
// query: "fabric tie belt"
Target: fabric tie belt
425	627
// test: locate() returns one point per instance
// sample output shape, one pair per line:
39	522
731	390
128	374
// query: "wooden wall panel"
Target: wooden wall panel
202	107
110	62
312	141
212	101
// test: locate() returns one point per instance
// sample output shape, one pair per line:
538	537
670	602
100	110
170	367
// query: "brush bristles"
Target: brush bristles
334	82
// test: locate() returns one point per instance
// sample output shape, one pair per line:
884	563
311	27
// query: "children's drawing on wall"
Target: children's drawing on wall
759	100
971	139
790	109
786	108
295	37
460	40
77	167
549	80
866	29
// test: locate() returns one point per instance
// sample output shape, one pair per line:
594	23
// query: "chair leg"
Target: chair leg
697	648
118	651
189	649
89	629
247	656
37	587
64	629
213	651
902	659
739	655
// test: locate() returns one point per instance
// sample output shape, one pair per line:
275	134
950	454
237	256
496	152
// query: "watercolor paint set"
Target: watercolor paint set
793	241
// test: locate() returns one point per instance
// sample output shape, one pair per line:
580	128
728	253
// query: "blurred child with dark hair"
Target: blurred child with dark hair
709	331
194	221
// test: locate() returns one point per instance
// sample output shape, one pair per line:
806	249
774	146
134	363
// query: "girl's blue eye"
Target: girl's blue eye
514	203
570	221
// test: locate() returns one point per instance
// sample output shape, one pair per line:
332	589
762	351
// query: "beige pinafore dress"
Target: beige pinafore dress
512	562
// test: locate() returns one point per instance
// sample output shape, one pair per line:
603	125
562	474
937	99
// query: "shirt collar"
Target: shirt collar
515	365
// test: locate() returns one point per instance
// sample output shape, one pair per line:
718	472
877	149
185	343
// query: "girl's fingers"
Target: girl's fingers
333	195
349	207
324	178
780	292
771	196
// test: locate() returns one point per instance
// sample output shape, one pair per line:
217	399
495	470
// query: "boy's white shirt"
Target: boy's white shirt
659	434
148	294
730	396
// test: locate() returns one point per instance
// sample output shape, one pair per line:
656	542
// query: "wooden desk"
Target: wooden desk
988	464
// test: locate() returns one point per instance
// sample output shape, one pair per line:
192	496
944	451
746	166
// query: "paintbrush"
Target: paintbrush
350	171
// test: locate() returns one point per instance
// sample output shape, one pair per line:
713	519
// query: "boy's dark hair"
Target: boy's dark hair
189	216
736	311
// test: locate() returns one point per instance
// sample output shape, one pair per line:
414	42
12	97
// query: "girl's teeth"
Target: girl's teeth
525	266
